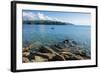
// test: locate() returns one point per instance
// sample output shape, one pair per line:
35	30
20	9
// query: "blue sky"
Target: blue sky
71	17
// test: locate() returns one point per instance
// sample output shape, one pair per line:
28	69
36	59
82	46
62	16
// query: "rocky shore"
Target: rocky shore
62	51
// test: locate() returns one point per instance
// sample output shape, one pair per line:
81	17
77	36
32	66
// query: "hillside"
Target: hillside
46	22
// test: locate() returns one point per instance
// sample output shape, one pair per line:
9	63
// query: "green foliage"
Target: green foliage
46	22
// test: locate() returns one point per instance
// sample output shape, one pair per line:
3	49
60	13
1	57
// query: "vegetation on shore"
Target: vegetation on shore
47	22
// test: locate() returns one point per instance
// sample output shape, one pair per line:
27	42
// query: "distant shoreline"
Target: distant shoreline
45	22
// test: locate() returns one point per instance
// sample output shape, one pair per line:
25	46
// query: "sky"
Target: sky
71	17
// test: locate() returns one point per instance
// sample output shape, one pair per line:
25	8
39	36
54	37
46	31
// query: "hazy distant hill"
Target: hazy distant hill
46	22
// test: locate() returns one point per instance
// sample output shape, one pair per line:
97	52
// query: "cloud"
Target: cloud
49	18
28	16
36	16
41	16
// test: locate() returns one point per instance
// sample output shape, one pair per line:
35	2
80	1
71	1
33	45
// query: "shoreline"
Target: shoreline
62	51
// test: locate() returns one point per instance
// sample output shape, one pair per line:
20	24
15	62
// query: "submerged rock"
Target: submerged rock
62	51
57	58
26	49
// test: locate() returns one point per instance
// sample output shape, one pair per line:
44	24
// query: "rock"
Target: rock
32	60
70	56
70	43
81	52
57	58
35	45
56	55
40	59
66	41
46	49
26	43
60	45
78	57
45	55
74	42
25	60
31	56
55	48
26	54
65	50
25	49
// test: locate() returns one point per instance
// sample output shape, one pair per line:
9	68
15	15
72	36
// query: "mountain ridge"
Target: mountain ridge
46	22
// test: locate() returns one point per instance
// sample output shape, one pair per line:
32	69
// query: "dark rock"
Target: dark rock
55	48
31	56
57	58
71	56
74	42
78	57
66	41
45	55
60	45
26	49
46	49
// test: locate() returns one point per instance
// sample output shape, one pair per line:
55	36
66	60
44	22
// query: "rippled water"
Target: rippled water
51	34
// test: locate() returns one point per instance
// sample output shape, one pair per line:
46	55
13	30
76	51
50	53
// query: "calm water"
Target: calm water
51	34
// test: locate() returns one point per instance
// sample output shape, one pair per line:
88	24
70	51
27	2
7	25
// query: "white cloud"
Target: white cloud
28	16
36	16
41	16
49	18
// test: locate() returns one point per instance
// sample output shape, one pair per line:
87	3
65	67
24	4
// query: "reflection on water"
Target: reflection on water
51	34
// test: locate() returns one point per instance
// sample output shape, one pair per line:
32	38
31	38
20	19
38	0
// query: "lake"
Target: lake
51	34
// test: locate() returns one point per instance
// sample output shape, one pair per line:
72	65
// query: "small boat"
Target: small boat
52	28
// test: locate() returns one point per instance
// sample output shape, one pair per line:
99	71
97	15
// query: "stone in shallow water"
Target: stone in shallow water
25	59
78	57
71	56
26	54
46	49
40	59
57	58
26	49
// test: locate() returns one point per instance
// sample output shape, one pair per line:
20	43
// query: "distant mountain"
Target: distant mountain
39	18
46	22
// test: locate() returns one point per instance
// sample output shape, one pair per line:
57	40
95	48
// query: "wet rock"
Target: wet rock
25	59
81	52
55	48
25	49
46	49
70	56
66	41
74	42
70	43
60	45
78	57
45	55
57	58
26	54
40	59
31	56
66	50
